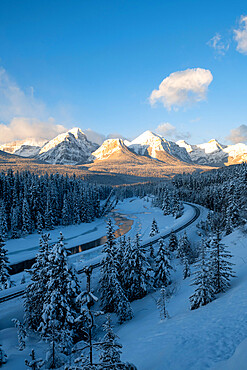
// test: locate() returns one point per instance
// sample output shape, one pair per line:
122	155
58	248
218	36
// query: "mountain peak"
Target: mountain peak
76	131
108	147
146	137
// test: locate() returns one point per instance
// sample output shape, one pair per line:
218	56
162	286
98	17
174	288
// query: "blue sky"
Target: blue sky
94	64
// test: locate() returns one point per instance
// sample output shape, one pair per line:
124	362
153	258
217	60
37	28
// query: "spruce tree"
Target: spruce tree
35	290
15	228
184	248
21	333
173	242
136	271
40	223
65	212
113	298
59	309
204	292
110	348
3	221
5	281
154	228
26	219
161	304
186	267
162	266
220	267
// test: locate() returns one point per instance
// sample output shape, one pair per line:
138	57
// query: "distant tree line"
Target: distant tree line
223	191
29	202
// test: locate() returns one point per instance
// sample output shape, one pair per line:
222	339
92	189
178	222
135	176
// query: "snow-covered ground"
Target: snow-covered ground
214	336
197	339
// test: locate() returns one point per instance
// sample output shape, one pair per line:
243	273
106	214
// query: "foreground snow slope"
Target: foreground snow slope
191	339
214	336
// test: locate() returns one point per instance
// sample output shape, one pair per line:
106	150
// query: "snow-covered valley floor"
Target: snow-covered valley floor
214	336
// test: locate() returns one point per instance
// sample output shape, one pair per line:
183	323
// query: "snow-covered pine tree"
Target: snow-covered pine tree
48	217
113	298
3	356
26	219
35	290
154	228
161	304
34	363
229	224
162	266
5	281
184	248
65	212
59	309
220	266
166	204
110	356
21	333
40	223
109	268
15	216
204	292
110	348
173	242
3	221
186	267
136	271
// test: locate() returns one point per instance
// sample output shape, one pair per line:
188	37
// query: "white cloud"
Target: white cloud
23	128
94	136
218	44
14	102
22	115
98	138
182	88
240	35
168	130
238	135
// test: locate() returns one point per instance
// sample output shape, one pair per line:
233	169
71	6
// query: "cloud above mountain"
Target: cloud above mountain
23	128
22	115
14	102
238	135
182	88
166	129
98	138
240	35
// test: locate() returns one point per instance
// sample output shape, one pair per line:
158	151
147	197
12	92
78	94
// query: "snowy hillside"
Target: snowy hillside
72	147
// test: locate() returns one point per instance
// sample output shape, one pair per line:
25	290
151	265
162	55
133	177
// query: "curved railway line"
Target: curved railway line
146	245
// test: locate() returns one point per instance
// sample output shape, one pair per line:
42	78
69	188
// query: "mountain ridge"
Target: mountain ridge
73	148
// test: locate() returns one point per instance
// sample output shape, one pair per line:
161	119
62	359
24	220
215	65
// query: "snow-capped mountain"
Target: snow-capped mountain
24	148
215	154
109	148
72	147
157	147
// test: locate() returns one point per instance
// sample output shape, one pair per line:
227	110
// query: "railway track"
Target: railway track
146	245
